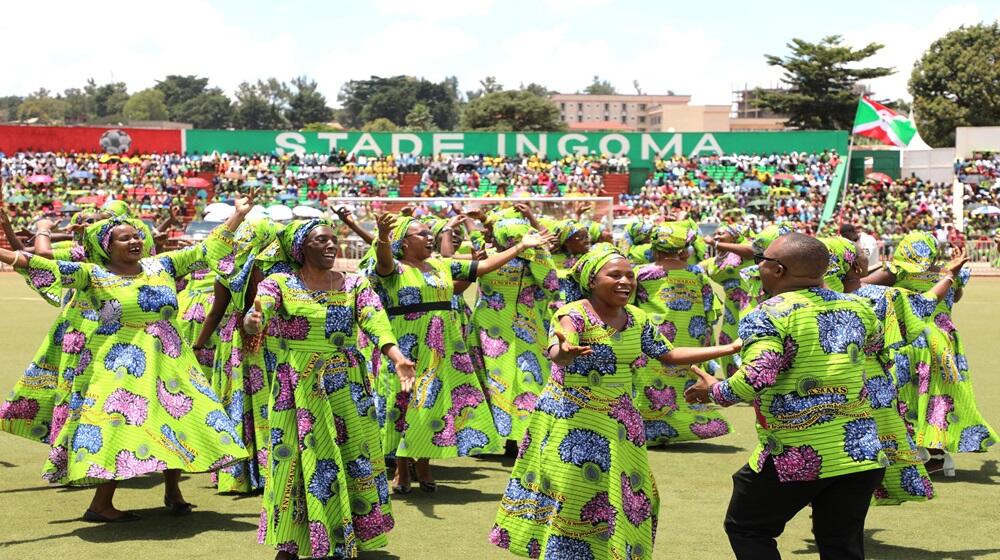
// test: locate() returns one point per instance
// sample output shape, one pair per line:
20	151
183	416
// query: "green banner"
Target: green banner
639	147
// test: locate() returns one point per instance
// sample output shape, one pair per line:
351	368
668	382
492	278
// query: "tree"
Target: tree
261	106
420	118
380	124
209	109
8	107
511	111
178	90
822	79
320	127
80	105
487	85
42	106
109	99
537	89
307	104
146	105
393	98
600	87
957	83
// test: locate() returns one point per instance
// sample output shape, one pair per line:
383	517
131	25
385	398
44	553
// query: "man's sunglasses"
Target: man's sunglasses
759	258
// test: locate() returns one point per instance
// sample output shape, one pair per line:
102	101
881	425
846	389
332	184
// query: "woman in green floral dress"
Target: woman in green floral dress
326	491
572	242
582	487
724	270
934	376
139	402
678	299
446	413
510	323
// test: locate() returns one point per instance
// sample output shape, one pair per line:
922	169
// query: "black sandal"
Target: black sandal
178	508
94	517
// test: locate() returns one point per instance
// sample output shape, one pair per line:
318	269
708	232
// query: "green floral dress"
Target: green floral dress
326	491
195	301
724	270
139	402
582	487
683	306
511	324
446	414
935	381
569	289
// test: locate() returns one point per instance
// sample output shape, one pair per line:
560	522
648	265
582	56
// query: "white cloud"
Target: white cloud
570	7
434	9
905	44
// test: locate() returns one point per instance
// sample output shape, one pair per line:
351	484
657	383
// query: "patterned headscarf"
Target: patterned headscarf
915	253
97	238
738	231
843	254
118	208
508	231
398	233
568	228
638	232
763	240
594	230
591	263
672	236
293	236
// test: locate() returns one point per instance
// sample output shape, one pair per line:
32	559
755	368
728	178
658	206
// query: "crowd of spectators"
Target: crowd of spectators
980	178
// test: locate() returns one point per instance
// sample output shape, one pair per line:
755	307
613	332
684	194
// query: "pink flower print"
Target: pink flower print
176	405
492	347
527	296
650	272
710	429
133	407
724	338
304	419
41	278
798	464
234	363
500	537
599	510
319	540
97	471
402	405
626	414
640	362
462	362
635	504
59	416
127	465
435	335
19	409
740	298
763	371
227	263
341	428
446	437
924	377
73	342
205	356
59	459
254	380
195	313
551	281
287	379
465	396
269	288
943	321
367	298
937	410
228	327
668	329
728	260
262	527
659	399
577	320
534	548
881	493
170	340
293	328
373	524
526	401
525	444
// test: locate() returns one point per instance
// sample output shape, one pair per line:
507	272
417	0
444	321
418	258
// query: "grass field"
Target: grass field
39	521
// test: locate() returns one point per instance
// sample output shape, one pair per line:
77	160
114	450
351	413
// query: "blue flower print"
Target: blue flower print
222	423
601	359
126	357
582	446
861	441
409	296
362	399
698	327
657	430
527	362
559	407
652	342
840	329
153	298
881	391
324	480
972	438
339	319
912	482
469	439
88	436
679	304
501	420
756	324
559	547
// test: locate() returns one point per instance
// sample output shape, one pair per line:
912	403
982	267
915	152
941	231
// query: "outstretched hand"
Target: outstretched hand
407	372
533	240
958	260
385	223
254	319
245	203
569	352
700	392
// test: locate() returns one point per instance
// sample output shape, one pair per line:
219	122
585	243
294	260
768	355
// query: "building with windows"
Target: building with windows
641	113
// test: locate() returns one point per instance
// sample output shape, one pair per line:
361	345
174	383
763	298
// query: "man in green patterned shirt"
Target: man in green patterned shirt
804	356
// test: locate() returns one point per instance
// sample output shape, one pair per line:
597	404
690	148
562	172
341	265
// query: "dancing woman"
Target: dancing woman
936	384
139	402
582	487
326	491
678	299
724	269
446	414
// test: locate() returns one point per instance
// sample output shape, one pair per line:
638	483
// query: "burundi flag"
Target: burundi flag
877	121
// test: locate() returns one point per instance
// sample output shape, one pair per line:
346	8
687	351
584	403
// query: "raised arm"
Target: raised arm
495	261
345	216
952	270
881	277
686	356
744	251
8	231
385	264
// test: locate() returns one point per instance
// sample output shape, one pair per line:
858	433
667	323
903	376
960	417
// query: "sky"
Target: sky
705	48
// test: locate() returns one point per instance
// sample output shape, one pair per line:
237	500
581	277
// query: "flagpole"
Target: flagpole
847	181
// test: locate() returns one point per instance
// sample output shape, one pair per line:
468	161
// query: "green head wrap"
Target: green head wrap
763	240
97	238
398	233
508	231
843	254
738	231
293	237
566	229
594	230
118	208
638	232
591	263
915	253
672	236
